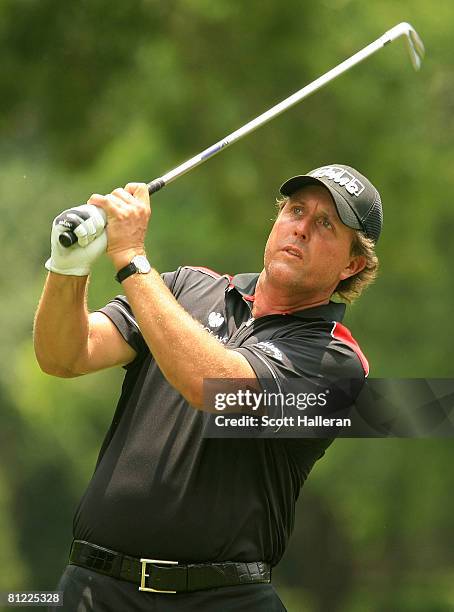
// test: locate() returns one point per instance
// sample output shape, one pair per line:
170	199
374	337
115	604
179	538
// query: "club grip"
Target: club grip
155	185
67	239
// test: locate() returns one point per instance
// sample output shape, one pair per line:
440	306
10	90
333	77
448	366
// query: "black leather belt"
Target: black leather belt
166	576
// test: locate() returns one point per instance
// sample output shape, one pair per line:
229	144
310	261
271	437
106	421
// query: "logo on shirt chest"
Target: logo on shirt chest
215	319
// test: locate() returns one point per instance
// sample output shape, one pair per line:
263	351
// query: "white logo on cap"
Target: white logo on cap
340	176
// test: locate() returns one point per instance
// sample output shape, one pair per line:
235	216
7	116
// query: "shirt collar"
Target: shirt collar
245	285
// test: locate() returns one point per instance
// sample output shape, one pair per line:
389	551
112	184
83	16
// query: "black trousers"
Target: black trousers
87	591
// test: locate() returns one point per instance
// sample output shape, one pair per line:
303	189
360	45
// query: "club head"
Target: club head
414	43
415	46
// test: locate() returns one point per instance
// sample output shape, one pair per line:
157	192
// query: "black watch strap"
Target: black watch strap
125	272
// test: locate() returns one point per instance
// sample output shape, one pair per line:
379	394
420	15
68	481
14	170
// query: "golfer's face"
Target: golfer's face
309	246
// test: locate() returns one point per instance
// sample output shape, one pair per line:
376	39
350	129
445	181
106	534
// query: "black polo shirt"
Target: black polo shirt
160	489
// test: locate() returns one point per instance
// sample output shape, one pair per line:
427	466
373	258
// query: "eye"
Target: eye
326	223
298	210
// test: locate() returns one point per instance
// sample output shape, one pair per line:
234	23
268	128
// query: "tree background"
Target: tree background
96	94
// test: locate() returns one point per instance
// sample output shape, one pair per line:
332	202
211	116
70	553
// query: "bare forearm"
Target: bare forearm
61	324
184	351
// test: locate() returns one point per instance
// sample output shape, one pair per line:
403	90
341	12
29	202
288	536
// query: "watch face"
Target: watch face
142	264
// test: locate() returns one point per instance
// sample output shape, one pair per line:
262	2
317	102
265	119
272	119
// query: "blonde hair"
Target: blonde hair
351	288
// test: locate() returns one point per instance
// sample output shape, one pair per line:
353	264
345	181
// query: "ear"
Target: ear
356	264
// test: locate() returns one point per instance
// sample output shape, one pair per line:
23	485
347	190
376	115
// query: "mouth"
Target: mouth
293	251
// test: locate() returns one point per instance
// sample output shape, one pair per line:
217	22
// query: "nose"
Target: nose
302	228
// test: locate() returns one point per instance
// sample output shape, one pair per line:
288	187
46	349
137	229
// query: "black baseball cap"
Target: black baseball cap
357	201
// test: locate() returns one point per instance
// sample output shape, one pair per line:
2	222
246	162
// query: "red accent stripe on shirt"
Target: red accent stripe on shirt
342	333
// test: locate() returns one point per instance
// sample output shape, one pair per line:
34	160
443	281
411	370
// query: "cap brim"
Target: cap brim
344	210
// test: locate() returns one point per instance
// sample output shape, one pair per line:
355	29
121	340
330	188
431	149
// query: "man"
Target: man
217	512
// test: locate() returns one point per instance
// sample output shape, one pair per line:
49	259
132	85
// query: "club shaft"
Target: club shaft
251	126
416	50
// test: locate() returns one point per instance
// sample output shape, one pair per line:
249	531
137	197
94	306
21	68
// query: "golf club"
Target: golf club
415	48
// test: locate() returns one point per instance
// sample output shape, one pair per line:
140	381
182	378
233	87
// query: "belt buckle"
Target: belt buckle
144	575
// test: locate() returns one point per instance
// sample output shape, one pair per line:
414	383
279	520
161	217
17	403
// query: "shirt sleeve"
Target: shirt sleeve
311	363
120	313
303	364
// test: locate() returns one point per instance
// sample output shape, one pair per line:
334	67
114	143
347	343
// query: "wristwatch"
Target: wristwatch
139	265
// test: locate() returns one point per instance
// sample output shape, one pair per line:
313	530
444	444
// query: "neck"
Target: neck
272	299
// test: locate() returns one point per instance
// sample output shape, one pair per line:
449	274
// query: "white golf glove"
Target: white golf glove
88	223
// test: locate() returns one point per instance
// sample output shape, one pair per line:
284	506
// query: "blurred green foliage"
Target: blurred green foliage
96	94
